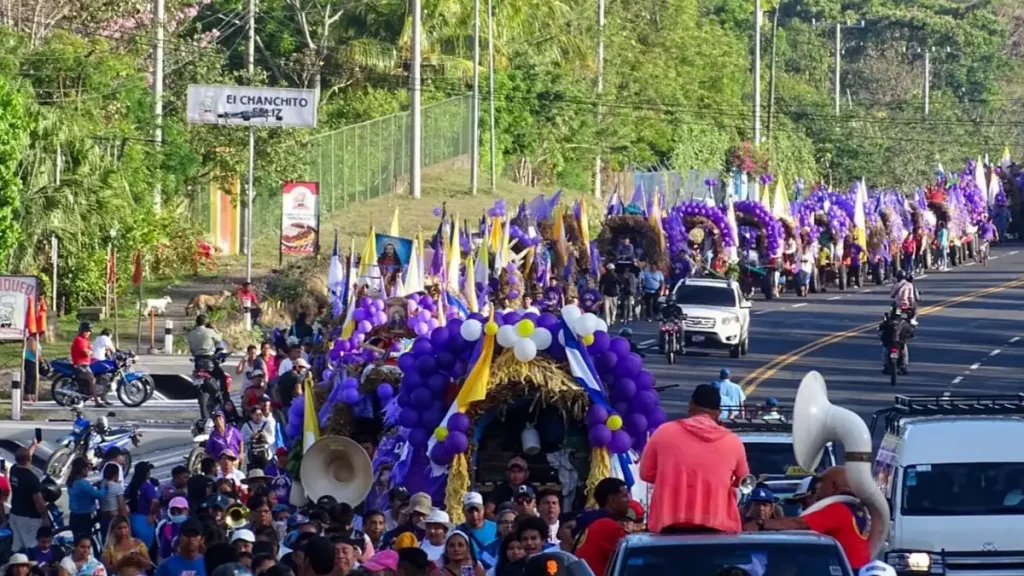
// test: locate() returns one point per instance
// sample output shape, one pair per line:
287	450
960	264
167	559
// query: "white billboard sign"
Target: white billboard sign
14	294
251	106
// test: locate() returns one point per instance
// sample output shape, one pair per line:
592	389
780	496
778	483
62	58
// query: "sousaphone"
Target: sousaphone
336	466
816	421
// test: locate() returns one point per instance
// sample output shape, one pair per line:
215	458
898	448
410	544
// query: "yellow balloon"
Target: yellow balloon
491	328
614	422
441	433
588	339
525	328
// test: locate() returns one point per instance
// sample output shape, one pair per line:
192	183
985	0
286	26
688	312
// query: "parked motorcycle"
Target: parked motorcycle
91	441
133	388
200	434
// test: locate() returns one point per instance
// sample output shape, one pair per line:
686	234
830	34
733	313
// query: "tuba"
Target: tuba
336	466
236	516
816	421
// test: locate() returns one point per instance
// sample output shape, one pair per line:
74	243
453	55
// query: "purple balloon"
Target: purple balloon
625	388
437	383
421	328
432	324
621	407
456	343
422	347
600	436
607	361
411	381
439	455
421	398
600	344
419	437
620	346
643	402
459	422
385	391
364	301
454	326
423	315
403	400
629	366
456	442
620	443
459	370
426	365
408	417
445	360
350	395
547	320
432	417
656	417
379	318
596	415
532	317
349	382
511	317
365	326
644	380
411	321
636	424
334	355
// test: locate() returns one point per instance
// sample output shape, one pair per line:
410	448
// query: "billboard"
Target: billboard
300	218
14	293
257	106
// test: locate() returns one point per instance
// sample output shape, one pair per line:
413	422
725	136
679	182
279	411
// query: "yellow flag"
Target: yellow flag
310	422
369	257
454	257
475	388
584	226
394	224
469	290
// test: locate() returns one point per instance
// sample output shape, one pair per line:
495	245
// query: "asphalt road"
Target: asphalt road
970	341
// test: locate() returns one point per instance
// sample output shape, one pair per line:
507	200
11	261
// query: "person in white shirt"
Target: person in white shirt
437	525
258	424
528	306
806	269
103	346
549	507
294	353
229	469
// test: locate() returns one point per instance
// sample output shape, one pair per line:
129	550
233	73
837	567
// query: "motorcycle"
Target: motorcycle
63	538
200	434
671	339
133	388
897	351
205	383
92	442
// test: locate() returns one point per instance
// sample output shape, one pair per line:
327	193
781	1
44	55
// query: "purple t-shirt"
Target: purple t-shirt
231	438
281	484
147	493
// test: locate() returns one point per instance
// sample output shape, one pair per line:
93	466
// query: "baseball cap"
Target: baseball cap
526	491
421	503
191	527
229	453
723	374
400	493
256	372
556	563
178	502
217	412
806	487
707	397
518	461
243	535
771	402
472	500
301	363
762	494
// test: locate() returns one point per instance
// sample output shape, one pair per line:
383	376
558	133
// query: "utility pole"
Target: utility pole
839	54
600	90
771	76
490	81
158	85
474	172
757	89
415	110
927	78
249	191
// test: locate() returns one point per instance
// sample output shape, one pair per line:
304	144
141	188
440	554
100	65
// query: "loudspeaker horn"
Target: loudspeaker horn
339	467
816	421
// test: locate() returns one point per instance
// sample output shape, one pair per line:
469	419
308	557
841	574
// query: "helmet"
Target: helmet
877	568
626	333
85	327
102	423
901	275
910	276
50	490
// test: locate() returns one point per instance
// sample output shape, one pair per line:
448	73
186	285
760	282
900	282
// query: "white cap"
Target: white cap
437	517
877	568
301	363
243	535
472	500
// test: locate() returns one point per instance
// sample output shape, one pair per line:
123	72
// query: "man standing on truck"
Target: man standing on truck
837	513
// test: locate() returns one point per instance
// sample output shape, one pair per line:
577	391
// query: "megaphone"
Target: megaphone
747	484
236	516
816	421
336	466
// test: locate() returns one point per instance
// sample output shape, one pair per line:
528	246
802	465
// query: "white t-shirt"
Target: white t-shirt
266	427
100	345
433	552
109	502
807	262
284	367
528	309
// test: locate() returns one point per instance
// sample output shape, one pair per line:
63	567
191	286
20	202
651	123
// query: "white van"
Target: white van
952	469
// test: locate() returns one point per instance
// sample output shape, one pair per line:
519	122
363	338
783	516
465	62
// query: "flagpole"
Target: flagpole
138	334
113	295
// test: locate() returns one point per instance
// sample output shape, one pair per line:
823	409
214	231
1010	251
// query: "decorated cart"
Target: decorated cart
760	243
700	238
831	225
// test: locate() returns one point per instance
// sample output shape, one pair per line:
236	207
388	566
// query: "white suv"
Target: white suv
717	315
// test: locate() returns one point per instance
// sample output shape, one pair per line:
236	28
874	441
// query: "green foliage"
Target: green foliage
12	144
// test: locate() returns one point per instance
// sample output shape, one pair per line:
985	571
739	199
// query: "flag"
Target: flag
394	224
654	216
369	273
335	278
310	425
1006	160
30	316
561	245
137	269
413	276
454	258
112	268
348	326
469	288
734	230
584	225
780	208
482	273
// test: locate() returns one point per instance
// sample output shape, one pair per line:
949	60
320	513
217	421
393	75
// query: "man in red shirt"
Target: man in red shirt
81	360
246	296
598	542
837	514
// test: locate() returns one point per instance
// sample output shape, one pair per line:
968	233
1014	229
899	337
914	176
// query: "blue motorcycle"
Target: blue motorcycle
133	388
91	441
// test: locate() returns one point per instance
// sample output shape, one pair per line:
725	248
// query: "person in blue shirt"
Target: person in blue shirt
481	531
943	242
82	497
731	393
653	283
188	561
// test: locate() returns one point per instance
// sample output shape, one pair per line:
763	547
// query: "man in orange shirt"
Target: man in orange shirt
837	513
81	360
695	465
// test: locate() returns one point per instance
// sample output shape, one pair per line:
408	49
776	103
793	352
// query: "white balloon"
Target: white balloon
602	326
542	338
471	330
525	350
561	337
507	336
570	313
586	324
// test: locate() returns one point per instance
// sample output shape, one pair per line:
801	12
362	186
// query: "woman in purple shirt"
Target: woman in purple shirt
143	503
223	437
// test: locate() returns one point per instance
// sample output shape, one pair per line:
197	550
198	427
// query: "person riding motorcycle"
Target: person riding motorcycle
202	344
904	295
896	329
81	359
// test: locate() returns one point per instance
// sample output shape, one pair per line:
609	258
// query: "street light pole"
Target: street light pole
415	110
757	73
600	90
249	191
474	173
158	86
927	78
490	82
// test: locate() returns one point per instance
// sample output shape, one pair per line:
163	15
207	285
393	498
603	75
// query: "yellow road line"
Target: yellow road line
755	378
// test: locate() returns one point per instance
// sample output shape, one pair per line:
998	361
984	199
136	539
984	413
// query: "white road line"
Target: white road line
957	380
993	257
865	291
921	276
800	305
761	312
835	298
975	366
1014	339
994	352
971	263
646	343
1014	252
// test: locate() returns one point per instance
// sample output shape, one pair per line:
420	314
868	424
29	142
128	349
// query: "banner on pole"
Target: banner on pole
14	294
300	218
257	106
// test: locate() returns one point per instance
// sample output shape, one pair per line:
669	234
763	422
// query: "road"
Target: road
970	341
